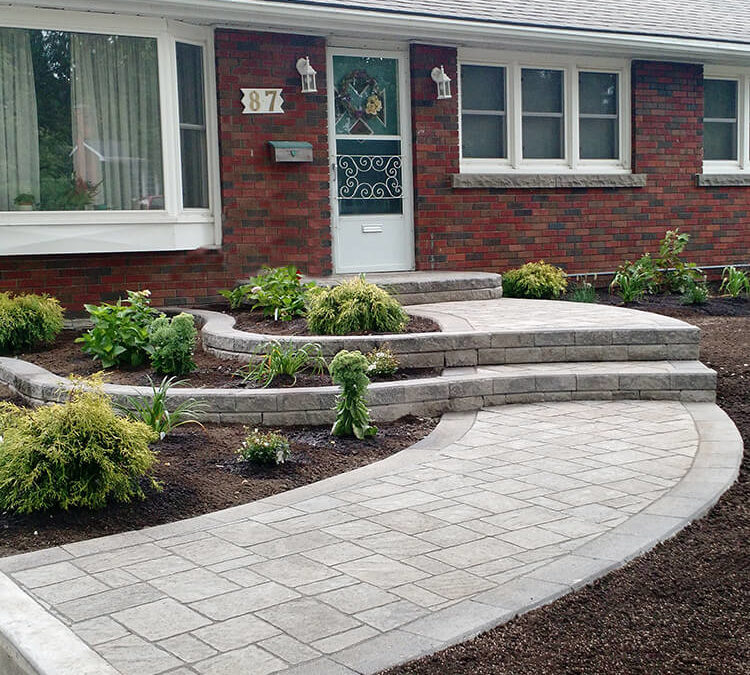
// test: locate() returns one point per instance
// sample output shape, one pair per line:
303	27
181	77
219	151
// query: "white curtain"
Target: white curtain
116	121
19	136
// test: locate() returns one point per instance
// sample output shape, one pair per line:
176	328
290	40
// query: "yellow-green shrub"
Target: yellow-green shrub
354	306
27	321
77	453
538	280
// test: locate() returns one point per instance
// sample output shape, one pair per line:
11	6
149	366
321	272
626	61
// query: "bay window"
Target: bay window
526	114
106	140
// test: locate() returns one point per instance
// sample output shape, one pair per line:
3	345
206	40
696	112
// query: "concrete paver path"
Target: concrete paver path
494	513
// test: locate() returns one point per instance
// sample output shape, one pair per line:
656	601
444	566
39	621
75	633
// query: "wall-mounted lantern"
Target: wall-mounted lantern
307	73
443	82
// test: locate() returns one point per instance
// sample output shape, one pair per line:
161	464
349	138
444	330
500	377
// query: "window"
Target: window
720	120
96	112
558	117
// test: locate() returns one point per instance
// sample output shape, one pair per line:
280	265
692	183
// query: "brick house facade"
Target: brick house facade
281	214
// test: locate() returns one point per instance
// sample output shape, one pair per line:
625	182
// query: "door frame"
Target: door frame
405	122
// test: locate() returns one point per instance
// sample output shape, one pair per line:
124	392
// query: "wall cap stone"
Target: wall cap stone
723	179
548	180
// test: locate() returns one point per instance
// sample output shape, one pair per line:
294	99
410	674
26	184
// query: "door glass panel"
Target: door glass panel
366	96
368	168
369	177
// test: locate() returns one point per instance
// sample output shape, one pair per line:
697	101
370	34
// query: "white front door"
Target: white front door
371	210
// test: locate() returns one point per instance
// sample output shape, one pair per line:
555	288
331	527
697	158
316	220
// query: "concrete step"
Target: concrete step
456	390
412	288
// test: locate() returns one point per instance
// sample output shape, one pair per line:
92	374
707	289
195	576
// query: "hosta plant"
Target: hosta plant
120	336
277	292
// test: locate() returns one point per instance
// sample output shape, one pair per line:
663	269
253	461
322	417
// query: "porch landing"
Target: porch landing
412	288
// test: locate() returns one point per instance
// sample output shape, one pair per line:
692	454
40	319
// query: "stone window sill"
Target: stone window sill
548	180
723	179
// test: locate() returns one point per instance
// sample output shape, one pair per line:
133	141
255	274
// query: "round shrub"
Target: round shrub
537	280
355	306
27	321
264	448
173	342
74	454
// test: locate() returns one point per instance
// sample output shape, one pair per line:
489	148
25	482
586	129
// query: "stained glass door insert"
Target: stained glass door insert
371	226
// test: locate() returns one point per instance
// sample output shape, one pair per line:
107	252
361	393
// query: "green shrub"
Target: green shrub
27	321
76	454
673	273
120	336
355	306
382	362
537	280
349	369
636	279
264	447
173	344
277	292
695	293
734	282
282	358
154	412
583	290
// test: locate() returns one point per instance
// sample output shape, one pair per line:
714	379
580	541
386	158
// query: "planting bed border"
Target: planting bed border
456	390
460	345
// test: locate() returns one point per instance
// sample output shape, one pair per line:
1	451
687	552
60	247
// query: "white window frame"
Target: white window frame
571	66
172	229
742	77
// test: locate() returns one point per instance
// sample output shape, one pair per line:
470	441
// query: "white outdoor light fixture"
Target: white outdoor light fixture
307	73
443	82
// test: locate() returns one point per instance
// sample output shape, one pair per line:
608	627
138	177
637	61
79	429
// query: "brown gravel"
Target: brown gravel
681	609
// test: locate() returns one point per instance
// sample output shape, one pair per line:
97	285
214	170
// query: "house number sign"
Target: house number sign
262	101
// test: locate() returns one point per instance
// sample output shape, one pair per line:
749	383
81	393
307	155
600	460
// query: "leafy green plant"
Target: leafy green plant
28	320
734	282
282	358
538	280
382	362
583	290
349	370
120	336
673	273
173	343
264	447
277	292
695	293
79	453
153	411
634	280
24	199
355	306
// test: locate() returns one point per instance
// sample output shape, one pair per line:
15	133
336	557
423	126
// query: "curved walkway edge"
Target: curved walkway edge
495	513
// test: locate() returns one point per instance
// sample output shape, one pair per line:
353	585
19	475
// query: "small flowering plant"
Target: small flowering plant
382	362
264	447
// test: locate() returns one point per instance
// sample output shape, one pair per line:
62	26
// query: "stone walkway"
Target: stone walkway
494	513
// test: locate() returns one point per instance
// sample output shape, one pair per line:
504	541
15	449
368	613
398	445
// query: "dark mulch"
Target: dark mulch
681	609
255	322
65	357
200	473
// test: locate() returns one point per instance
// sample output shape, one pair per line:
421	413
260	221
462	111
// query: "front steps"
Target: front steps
412	288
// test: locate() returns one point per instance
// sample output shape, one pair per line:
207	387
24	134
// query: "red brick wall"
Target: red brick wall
579	229
276	214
